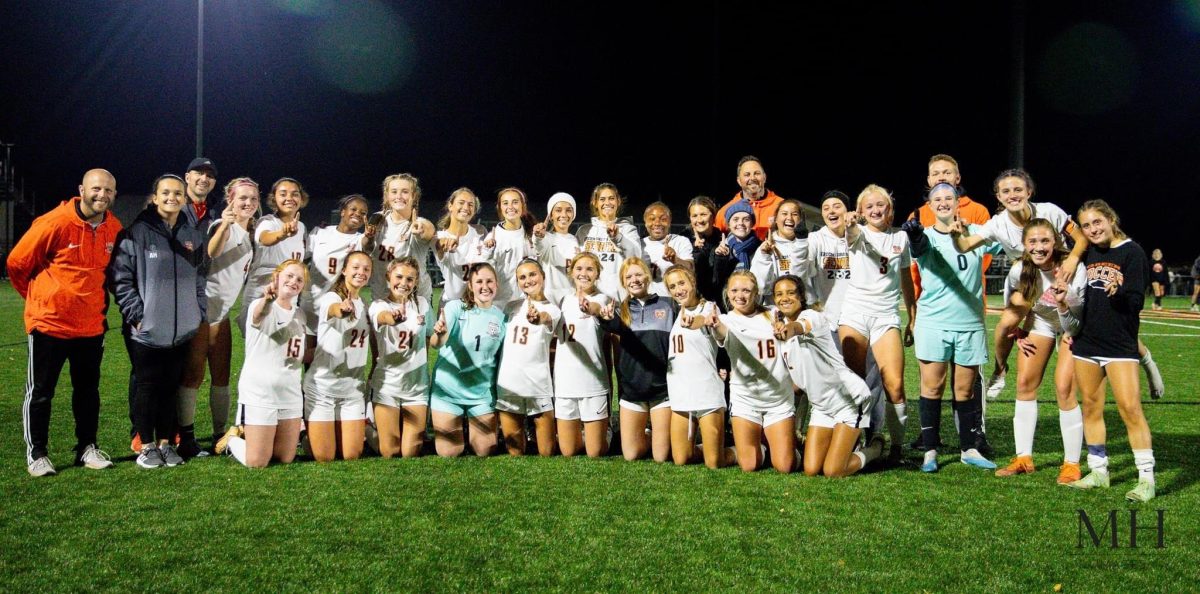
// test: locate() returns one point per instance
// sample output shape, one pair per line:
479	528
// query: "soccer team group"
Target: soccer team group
748	319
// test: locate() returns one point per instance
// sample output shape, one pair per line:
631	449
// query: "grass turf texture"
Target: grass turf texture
579	524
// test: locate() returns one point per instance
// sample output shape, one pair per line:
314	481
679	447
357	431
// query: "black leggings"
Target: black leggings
156	376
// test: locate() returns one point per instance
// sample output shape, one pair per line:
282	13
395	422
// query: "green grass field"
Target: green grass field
505	524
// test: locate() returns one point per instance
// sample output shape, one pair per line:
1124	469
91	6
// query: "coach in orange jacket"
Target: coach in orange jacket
943	169
58	267
753	181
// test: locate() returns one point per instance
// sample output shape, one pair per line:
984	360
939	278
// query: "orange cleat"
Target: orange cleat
1019	465
1069	473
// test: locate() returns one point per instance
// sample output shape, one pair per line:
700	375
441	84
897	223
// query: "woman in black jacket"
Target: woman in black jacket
157	277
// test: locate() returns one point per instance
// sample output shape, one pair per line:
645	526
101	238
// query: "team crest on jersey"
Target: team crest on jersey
108	247
493	330
1105	276
660	314
189	245
896	249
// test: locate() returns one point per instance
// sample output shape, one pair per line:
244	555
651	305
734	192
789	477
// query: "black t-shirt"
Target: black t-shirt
1158	272
1116	286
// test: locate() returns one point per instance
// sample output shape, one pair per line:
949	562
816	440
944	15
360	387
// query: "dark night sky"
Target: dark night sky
661	99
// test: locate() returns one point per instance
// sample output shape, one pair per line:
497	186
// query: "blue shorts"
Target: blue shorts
460	410
967	348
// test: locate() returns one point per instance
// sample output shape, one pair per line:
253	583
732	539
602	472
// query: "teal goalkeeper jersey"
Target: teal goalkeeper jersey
465	372
951	284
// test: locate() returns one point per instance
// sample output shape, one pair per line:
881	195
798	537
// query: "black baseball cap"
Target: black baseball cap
202	163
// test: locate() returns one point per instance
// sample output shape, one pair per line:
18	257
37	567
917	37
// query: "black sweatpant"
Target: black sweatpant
156	376
46	357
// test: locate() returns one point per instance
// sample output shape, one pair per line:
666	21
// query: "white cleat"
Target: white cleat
995	386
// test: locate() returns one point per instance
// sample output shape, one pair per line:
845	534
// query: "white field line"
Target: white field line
1197	328
1175	335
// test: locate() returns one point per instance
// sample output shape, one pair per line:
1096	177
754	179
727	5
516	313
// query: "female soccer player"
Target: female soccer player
839	399
1159	277
581	376
612	239
459	242
334	390
157	279
230	251
879	261
279	236
1030	287
270	403
399	232
555	246
1105	346
737	249
785	251
400	380
469	335
705	239
510	242
949	327
642	322
525	388
693	382
662	248
761	401
329	247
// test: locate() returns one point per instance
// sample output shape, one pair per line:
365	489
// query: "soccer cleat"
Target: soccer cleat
1068	473
984	447
169	455
191	449
150	457
972	457
1092	481
930	463
135	443
42	467
1195	308
1143	492
1019	465
995	386
94	458
222	444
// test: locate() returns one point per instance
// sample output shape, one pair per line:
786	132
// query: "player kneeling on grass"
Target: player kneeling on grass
760	388
949	328
400	380
839	399
581	376
335	407
642	322
693	381
1106	345
469	335
1031	289
524	387
270	402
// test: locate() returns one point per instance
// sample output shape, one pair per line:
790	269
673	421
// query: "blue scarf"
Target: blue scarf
743	249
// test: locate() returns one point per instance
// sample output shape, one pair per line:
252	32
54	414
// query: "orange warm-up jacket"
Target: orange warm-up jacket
58	267
972	213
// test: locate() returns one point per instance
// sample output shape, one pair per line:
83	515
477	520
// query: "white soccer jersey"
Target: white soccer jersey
270	375
817	367
1001	227
328	248
759	376
395	240
267	257
792	258
829	267
877	259
400	372
228	271
653	251
594	238
454	263
692	380
1045	308
555	251
579	367
511	247
341	355
525	360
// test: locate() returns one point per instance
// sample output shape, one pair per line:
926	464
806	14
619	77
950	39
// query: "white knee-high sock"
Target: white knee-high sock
1144	460
1024	425
185	407
1070	422
218	405
237	449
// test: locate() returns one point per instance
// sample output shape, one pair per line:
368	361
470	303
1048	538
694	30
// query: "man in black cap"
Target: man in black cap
201	178
204	207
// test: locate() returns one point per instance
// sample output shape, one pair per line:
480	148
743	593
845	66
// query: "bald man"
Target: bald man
58	268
